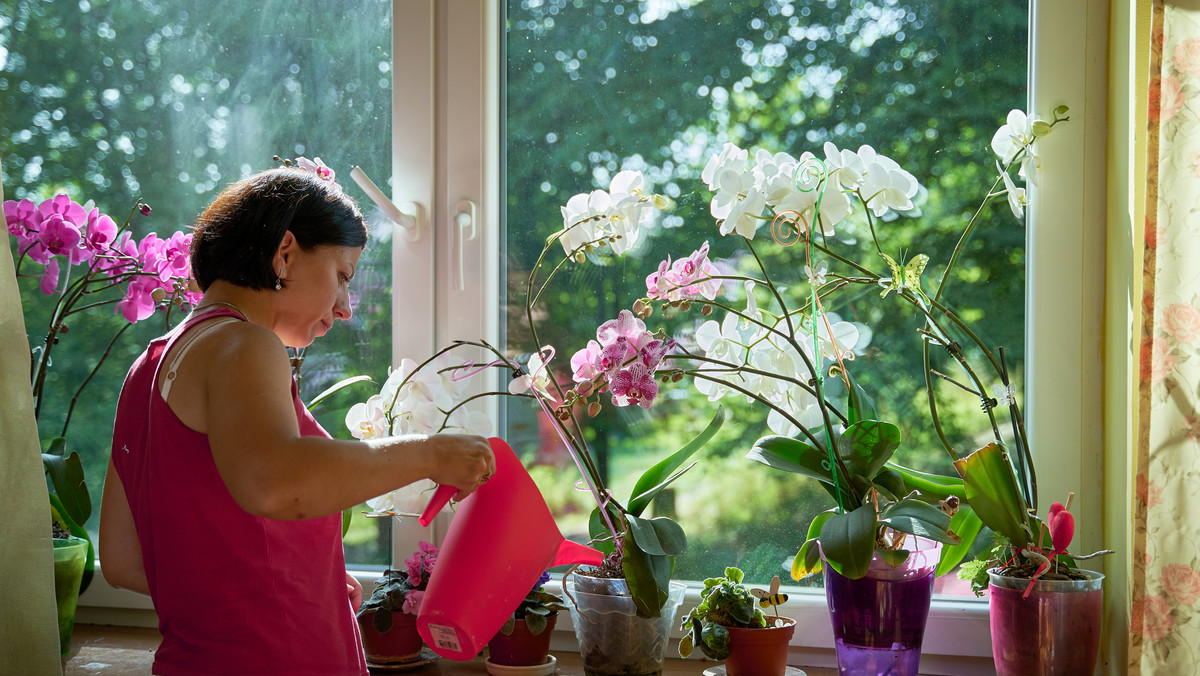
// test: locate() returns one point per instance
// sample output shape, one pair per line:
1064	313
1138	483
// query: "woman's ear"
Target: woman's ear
283	253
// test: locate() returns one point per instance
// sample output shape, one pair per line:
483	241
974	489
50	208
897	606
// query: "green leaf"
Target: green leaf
848	541
382	620
792	455
715	641
685	645
659	476
648	577
659	536
535	623
807	561
867	445
918	518
859	405
598	531
347	514
967	526
930	485
335	388
893	557
66	476
991	490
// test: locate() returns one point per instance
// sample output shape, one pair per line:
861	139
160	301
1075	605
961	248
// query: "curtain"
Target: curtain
1165	570
28	619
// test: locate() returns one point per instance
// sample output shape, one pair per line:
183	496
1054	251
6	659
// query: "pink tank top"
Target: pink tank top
235	593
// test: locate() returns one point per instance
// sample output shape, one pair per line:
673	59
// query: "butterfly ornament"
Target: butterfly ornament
908	277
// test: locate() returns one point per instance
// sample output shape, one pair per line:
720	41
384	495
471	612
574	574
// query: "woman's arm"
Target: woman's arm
270	470
120	552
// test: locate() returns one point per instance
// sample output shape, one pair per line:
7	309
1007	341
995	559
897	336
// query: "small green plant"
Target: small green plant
724	602
537	606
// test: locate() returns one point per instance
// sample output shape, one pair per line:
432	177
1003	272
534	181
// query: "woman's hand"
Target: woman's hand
354	591
464	461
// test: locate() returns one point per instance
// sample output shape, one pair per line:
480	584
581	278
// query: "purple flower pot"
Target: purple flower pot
1055	630
879	619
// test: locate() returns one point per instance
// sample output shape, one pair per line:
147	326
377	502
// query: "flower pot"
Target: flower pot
760	652
879	619
613	640
1054	630
522	648
70	555
397	645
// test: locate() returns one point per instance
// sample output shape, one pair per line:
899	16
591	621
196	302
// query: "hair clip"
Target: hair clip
314	166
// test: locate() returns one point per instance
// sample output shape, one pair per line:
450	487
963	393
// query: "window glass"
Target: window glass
163	100
594	88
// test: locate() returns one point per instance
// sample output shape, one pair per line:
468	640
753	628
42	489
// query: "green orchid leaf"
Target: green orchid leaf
659	536
658	477
919	518
859	405
848	541
792	455
598	530
991	490
66	476
807	561
347	514
867	445
893	557
648	576
966	525
335	388
891	483
930	485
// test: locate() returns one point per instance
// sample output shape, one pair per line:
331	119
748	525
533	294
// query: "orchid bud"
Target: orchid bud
158	295
593	409
144	208
706	310
685	305
584	388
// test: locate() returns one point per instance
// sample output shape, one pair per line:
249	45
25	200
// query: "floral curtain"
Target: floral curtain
1165	572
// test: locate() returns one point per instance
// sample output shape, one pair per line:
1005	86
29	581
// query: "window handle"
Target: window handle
466	219
408	218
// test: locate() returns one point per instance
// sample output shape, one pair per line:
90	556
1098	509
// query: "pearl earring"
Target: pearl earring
279	280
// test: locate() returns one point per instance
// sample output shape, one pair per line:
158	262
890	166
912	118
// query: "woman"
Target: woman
223	496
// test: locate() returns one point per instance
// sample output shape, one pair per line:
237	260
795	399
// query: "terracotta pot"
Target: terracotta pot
399	644
760	652
522	648
1055	630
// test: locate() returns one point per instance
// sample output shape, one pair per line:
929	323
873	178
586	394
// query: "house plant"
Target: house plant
729	625
387	619
524	640
85	262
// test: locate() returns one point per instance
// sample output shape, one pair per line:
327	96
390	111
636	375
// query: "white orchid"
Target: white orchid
537	376
366	420
1017	199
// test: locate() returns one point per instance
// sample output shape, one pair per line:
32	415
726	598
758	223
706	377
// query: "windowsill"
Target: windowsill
116	651
957	637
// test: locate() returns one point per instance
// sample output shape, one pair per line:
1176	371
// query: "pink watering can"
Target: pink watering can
500	542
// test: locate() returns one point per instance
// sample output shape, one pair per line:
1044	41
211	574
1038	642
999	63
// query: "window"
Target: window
596	88
114	101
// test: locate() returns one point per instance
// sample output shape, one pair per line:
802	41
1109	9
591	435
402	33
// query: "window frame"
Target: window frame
446	148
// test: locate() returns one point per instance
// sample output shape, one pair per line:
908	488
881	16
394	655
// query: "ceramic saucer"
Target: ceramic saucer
719	670
426	658
543	669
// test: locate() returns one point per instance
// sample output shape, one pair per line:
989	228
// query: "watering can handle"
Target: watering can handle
440	497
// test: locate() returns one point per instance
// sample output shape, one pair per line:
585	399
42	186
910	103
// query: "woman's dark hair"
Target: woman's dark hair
237	235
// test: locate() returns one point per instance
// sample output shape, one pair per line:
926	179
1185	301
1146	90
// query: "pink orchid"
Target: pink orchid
58	235
64	206
658	283
652	353
49	280
21	217
175	261
626	325
138	302
585	363
316	166
100	232
634	385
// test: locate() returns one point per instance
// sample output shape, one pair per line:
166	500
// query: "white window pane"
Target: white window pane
595	88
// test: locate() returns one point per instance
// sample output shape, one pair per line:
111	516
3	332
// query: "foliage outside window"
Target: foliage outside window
168	102
596	88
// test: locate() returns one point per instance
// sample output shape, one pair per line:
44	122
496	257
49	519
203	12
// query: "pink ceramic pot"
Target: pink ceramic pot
402	643
1055	630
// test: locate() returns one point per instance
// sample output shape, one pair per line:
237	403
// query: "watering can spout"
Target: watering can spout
571	553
